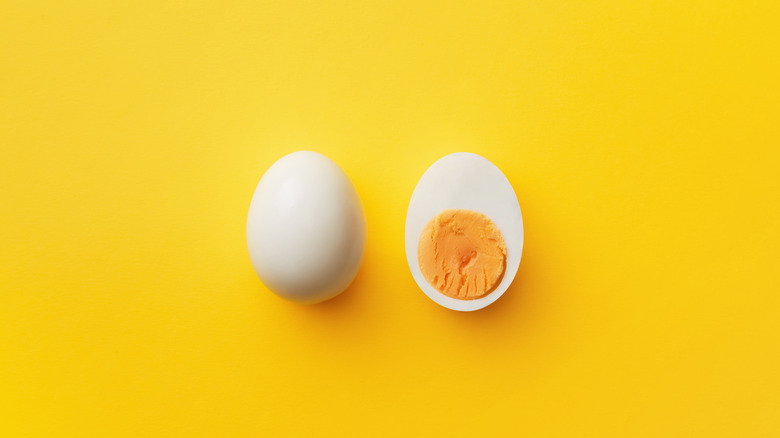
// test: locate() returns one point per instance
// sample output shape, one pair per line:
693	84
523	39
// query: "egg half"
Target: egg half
306	228
470	185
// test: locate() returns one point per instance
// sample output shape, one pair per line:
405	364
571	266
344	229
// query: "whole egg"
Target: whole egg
306	229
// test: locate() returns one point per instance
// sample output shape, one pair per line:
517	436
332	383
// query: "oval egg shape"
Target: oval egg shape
306	228
465	181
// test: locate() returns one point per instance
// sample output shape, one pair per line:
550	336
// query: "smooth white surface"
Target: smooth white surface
306	229
465	181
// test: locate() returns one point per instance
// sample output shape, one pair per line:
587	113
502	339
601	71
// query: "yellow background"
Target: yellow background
642	139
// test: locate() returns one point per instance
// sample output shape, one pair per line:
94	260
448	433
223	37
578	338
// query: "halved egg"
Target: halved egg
464	232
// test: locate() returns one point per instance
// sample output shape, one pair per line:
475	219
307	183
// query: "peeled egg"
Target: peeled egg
457	193
306	229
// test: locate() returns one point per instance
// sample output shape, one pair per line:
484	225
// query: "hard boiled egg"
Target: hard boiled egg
306	229
464	232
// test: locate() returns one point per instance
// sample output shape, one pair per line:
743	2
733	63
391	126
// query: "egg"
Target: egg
464	232
306	228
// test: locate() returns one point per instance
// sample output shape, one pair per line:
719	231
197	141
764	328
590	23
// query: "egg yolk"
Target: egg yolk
462	254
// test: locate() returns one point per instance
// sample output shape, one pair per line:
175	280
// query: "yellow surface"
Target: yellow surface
642	139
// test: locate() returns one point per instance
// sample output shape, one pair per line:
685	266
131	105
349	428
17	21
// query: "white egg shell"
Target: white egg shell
465	181
306	228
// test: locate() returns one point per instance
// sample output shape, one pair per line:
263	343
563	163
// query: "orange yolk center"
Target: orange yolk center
462	254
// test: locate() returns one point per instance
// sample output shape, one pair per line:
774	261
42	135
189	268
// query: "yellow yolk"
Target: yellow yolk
462	254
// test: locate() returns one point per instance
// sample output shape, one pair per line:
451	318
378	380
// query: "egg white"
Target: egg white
465	181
